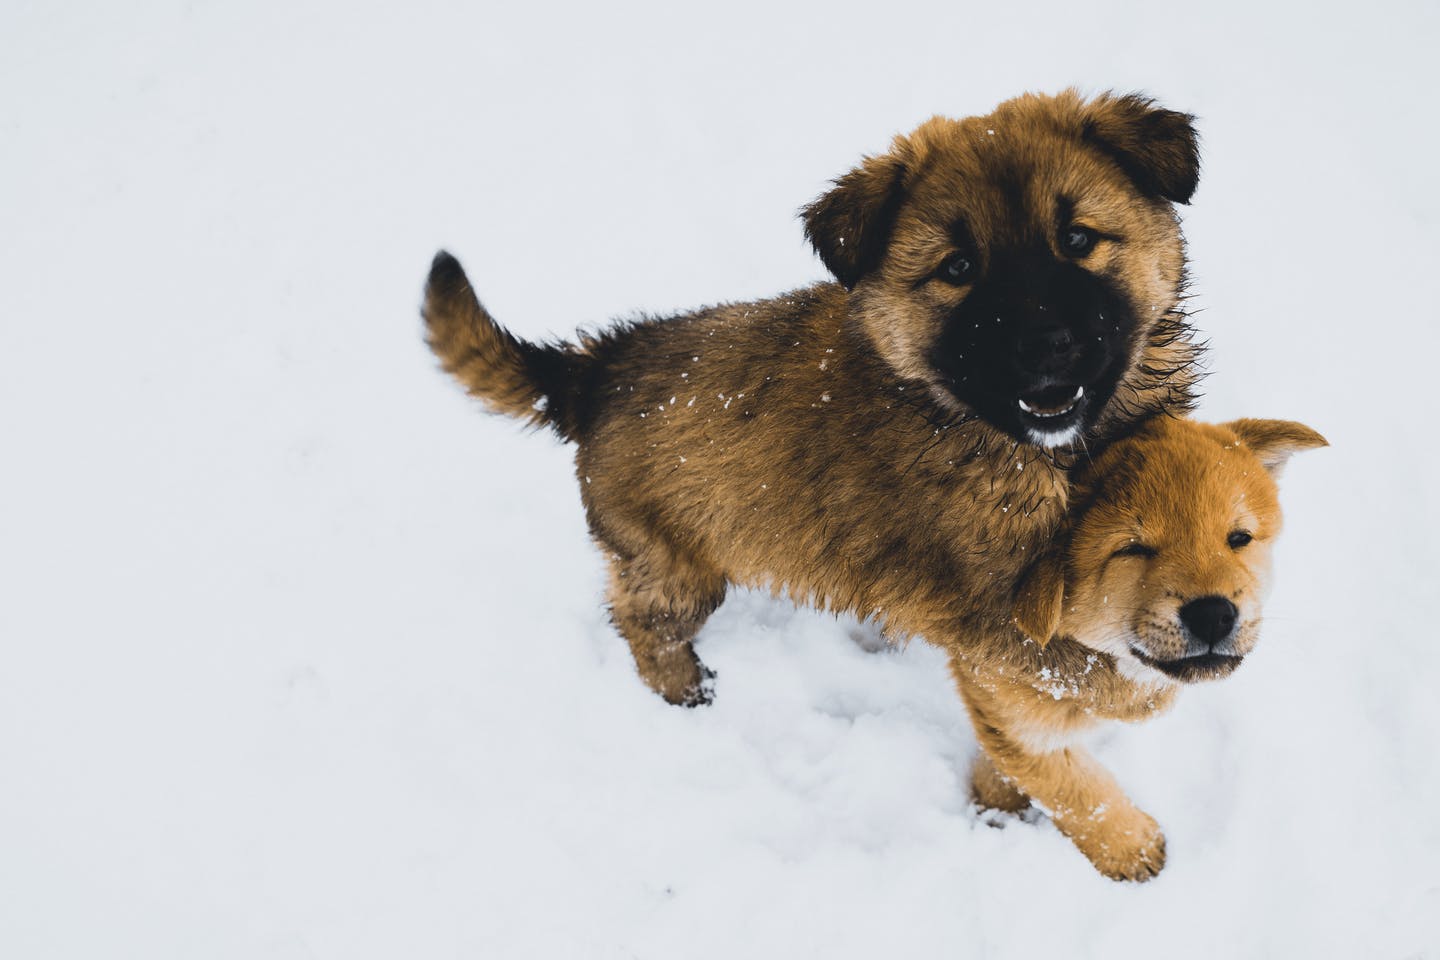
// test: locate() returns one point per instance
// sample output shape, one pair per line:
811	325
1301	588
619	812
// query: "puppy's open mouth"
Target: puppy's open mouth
1052	402
1206	666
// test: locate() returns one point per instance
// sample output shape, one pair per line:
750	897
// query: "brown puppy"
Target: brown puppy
895	444
1158	583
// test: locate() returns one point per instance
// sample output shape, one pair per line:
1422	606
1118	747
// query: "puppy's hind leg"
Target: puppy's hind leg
658	604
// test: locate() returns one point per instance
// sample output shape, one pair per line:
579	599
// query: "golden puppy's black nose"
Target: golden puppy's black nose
1210	620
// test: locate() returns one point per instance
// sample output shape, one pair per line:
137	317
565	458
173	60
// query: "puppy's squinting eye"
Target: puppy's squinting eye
1134	550
957	269
1238	539
1077	241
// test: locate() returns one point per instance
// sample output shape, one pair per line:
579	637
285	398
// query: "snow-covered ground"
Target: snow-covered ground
302	656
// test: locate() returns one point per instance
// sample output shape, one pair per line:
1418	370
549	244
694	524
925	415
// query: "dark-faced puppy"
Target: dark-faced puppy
895	444
1025	302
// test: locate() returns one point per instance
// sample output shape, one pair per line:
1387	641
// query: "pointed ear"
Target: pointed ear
1157	148
1040	599
1275	441
850	225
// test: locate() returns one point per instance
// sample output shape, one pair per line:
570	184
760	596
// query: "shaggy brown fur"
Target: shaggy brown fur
1177	513
850	444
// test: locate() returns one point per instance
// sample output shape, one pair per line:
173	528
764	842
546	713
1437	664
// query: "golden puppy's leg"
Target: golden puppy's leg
658	605
1080	796
991	790
1084	801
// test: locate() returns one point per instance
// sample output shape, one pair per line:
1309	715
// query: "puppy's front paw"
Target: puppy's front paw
991	791
1123	845
679	676
701	694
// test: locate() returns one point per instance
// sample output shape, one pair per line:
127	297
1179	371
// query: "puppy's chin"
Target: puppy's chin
1053	432
1136	672
1137	666
1196	669
1197	662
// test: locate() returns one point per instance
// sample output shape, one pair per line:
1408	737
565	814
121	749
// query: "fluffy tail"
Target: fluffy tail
538	382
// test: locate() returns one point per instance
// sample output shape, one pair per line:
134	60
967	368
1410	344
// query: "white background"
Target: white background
303	656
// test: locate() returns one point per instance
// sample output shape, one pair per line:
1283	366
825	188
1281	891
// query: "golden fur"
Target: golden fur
1180	489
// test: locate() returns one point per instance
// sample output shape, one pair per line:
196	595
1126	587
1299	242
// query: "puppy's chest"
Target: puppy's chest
991	514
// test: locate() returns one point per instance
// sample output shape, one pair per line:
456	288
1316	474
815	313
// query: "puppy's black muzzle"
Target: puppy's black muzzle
1048	354
1036	347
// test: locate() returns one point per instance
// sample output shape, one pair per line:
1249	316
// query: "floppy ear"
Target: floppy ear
1041	598
849	226
1275	441
1157	148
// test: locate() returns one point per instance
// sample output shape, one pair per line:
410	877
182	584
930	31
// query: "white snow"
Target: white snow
304	655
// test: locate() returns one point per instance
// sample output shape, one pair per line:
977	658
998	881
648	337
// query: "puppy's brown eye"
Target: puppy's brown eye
1238	539
1077	241
1134	550
957	269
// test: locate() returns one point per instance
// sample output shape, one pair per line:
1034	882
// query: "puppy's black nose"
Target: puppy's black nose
1209	619
1048	351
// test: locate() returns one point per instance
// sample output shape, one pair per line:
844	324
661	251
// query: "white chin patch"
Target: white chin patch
1053	438
1133	670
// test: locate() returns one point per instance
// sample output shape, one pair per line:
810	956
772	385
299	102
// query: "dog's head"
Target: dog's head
1025	266
1167	559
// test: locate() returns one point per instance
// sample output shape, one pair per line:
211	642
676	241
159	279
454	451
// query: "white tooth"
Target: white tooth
1061	411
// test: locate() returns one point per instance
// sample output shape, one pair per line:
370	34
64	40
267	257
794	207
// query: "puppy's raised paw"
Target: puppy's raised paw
1128	846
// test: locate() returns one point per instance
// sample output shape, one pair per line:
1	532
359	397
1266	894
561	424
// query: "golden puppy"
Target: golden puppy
1158	583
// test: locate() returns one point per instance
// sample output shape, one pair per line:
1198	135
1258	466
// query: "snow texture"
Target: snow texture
303	656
